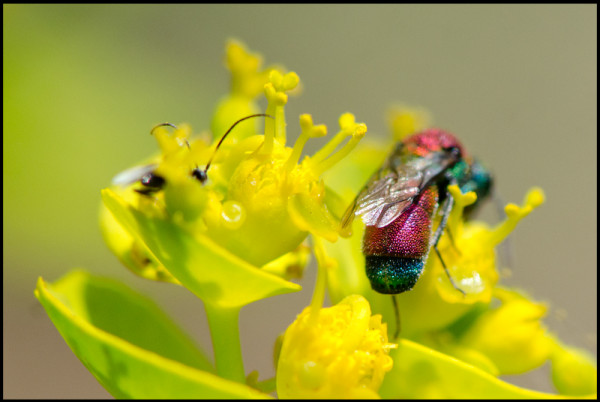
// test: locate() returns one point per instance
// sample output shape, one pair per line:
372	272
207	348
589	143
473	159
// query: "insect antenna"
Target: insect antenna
162	125
202	175
170	125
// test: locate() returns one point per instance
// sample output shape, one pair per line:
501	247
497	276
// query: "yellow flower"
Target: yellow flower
268	183
512	336
574	371
208	215
471	261
252	181
336	352
247	82
406	120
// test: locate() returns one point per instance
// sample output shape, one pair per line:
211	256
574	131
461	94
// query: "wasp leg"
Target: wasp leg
397	313
448	273
448	204
452	241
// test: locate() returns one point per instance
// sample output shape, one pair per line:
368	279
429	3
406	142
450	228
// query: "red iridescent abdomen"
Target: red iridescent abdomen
409	234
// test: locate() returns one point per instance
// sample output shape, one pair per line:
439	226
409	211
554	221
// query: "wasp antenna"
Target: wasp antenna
170	125
162	125
225	135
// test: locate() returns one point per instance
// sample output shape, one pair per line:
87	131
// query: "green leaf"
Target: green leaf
131	252
212	273
423	373
128	343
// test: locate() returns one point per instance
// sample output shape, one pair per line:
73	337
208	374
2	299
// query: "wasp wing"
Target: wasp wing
393	188
386	198
133	174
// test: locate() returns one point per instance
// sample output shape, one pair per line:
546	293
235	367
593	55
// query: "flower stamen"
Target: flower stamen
533	199
275	93
308	131
326	158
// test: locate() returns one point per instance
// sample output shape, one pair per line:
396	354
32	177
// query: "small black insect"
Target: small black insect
152	182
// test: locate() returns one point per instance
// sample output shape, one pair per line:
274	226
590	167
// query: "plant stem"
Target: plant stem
225	333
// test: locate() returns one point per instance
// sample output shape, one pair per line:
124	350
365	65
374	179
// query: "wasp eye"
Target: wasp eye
454	150
200	175
152	180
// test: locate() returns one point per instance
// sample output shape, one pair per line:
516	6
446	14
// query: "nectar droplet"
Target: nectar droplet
233	214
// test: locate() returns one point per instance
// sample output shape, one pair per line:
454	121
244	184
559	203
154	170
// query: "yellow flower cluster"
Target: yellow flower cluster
336	352
253	179
211	229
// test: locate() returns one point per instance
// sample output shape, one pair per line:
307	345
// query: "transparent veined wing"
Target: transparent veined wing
133	174
393	188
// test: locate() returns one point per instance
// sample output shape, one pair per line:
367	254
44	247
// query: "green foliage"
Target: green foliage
128	343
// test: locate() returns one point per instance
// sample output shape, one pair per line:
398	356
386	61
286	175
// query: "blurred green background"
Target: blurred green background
83	85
